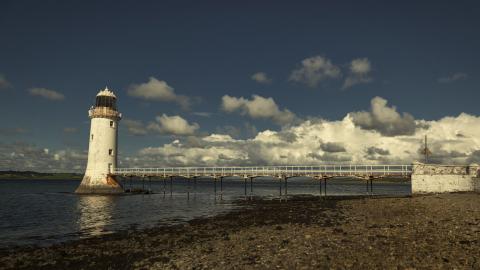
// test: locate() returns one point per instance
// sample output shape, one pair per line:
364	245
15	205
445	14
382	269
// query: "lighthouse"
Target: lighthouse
102	147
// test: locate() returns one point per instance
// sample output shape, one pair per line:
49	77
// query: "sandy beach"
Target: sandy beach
420	232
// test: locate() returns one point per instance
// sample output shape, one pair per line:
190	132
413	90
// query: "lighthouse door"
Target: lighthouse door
110	167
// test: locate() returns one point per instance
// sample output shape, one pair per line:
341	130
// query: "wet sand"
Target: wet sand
421	232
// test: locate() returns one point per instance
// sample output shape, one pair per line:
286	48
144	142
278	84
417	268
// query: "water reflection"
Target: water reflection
95	214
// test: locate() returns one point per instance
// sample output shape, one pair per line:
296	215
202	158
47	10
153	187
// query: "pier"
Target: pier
425	178
279	174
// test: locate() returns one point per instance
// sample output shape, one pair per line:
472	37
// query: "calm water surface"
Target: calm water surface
44	212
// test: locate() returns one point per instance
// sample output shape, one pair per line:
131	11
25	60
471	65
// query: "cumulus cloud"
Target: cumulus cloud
258	108
332	147
453	77
385	120
46	93
377	153
174	125
375	150
261	77
247	130
210	152
315	69
21	156
157	90
360	69
310	142
321	142
331	158
164	124
4	83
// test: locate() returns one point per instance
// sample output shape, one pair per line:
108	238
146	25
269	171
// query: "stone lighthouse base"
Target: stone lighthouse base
102	185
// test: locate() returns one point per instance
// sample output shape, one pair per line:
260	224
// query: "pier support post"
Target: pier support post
188	188
164	186
245	186
280	187
325	186
371	185
320	186
251	188
285	194
131	185
368	191
149	185
221	187
171	188
215	186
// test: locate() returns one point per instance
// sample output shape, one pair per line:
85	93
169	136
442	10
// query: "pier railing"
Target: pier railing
352	170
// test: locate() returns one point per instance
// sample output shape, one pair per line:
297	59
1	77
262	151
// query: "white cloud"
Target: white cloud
385	120
453	77
22	156
315	69
261	77
46	93
360	69
321	141
452	140
258	108
164	124
4	83
360	66
174	125
157	90
247	130
332	147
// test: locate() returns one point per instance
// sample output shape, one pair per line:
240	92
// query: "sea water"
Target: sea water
44	212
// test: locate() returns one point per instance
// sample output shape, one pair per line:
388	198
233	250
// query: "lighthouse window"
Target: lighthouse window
92	137
111	123
105	101
110	152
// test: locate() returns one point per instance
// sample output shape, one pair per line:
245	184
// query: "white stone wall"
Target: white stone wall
476	184
429	178
441	183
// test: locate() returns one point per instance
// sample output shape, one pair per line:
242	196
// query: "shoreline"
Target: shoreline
305	231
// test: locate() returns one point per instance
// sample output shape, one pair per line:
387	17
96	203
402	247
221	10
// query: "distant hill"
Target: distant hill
7	175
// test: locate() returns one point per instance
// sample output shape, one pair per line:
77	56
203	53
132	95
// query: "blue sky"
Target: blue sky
422	57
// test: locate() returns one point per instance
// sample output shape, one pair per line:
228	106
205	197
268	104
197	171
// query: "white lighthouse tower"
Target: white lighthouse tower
102	150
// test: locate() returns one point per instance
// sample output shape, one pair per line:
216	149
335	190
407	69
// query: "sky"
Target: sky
207	83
